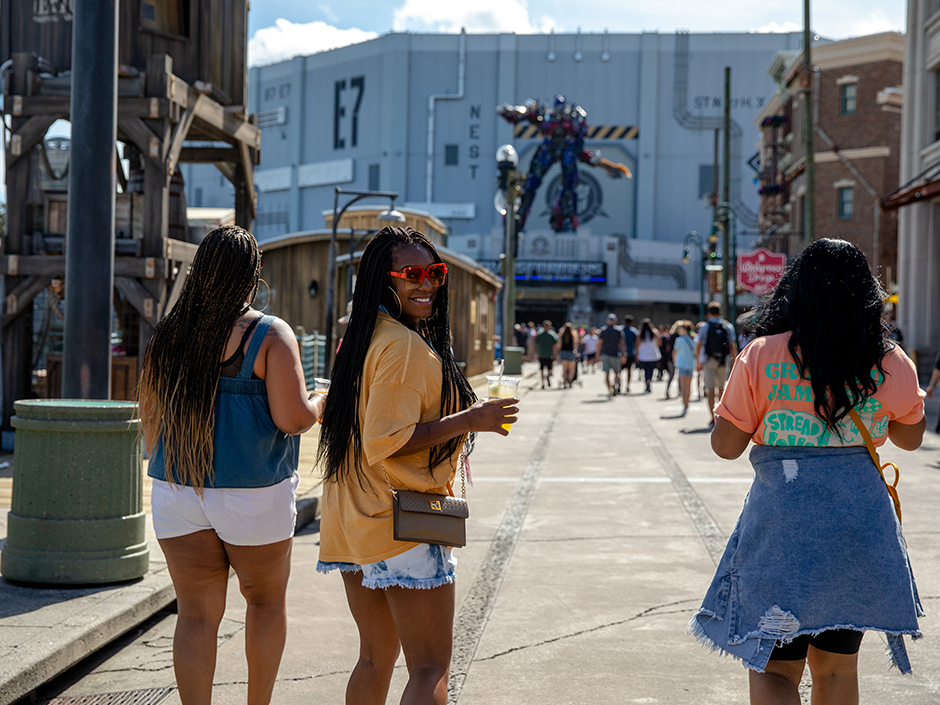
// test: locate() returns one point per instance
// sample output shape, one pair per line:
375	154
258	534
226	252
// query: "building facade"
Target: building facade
856	104
917	200
416	114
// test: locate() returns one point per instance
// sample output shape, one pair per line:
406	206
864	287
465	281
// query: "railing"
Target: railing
312	349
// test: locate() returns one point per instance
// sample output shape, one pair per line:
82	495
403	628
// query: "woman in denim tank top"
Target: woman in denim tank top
222	401
817	556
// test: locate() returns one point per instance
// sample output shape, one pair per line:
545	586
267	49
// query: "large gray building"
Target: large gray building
415	113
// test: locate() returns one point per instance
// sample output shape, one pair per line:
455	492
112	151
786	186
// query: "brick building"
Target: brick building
857	119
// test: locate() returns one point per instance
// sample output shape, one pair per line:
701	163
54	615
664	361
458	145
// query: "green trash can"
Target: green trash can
77	512
513	360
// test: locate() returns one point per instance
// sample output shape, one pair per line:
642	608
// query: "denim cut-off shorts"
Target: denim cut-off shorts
425	566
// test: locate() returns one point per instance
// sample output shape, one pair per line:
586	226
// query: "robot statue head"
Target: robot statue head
559	102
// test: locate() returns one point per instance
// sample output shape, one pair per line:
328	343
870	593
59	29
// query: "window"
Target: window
706	179
848	98
451	152
166	17
197	197
373	177
846	199
936	75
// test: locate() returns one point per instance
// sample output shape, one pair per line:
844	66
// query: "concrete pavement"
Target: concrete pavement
594	531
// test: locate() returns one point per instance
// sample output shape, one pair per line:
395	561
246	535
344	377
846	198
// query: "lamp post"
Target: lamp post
390	215
693	238
509	181
726	218
709	259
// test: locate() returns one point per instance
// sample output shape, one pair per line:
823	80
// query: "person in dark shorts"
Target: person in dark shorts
612	352
630	334
545	343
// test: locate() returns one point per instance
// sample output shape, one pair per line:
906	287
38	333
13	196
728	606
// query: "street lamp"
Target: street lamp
391	215
509	182
709	261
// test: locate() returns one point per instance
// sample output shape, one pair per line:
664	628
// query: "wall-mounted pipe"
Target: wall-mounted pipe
432	99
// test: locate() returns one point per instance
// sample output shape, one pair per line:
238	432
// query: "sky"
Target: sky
280	29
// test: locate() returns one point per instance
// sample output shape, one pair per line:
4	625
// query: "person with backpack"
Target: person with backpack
717	341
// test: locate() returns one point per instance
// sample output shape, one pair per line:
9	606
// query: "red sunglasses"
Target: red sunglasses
436	274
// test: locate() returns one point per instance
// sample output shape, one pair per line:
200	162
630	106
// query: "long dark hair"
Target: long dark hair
646	330
833	305
567	334
181	363
341	428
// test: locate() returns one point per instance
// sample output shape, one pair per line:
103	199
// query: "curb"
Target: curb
308	509
97	619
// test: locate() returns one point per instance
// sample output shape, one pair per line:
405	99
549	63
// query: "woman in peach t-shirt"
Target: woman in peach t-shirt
817	557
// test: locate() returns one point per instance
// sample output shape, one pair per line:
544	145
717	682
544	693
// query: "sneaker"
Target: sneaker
549	380
685	410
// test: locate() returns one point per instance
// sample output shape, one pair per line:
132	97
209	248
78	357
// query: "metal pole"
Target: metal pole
509	280
89	259
701	284
733	268
806	88
331	287
725	193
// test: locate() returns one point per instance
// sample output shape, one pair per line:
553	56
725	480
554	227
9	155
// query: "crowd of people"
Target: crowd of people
683	351
817	552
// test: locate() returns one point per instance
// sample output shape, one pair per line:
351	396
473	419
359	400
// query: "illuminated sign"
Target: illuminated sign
532	270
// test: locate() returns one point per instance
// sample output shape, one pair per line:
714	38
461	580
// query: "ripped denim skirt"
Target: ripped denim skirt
817	547
425	566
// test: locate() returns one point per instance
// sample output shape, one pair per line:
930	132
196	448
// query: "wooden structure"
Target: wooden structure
295	270
181	90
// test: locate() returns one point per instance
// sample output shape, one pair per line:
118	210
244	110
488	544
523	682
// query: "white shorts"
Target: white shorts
241	517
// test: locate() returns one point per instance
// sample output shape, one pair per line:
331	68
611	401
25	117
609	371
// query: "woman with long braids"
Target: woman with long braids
222	399
817	557
398	414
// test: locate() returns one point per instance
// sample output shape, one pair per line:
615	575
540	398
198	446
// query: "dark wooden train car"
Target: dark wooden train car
295	271
200	36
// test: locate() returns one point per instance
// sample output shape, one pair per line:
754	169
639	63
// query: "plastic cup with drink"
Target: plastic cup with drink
502	387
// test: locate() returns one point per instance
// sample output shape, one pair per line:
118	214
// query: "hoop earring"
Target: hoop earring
397	301
267	294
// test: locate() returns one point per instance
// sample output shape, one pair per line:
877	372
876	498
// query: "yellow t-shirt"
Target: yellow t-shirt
401	387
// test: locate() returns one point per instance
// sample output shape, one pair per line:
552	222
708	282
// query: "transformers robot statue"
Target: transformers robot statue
563	128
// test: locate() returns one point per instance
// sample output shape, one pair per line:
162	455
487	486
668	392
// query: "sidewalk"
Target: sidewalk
594	531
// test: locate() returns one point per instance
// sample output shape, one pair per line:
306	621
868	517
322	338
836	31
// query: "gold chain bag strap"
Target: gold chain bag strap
422	517
892	489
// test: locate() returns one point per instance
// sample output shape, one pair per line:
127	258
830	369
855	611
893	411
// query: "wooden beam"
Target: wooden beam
140	298
179	136
29	105
248	168
54	266
182	275
145	139
209	155
21	296
28	136
228	170
236	129
179	251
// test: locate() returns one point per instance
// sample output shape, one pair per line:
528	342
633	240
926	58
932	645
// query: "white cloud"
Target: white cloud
285	40
874	23
478	16
774	28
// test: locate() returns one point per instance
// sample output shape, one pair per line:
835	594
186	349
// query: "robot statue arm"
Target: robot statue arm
518	113
614	170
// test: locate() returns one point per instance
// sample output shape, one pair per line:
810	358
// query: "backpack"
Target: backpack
716	341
